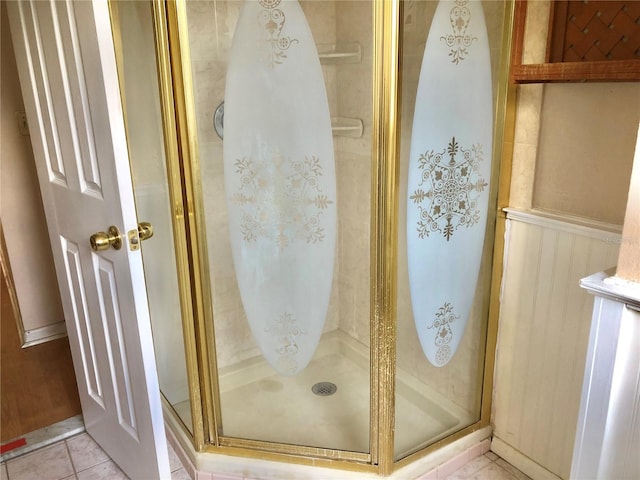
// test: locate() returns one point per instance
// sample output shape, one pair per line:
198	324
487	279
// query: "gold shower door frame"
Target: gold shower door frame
179	123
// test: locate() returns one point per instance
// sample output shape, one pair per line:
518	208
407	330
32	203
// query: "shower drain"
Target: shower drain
324	389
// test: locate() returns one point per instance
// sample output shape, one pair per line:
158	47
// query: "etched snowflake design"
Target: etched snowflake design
459	40
273	20
448	192
442	323
281	200
285	331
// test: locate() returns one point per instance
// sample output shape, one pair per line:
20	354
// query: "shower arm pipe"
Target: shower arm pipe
384	251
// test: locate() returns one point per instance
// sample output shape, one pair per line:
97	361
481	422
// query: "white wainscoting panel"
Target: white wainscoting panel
543	333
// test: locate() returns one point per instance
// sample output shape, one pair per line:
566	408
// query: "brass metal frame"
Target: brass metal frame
179	115
502	156
189	229
182	223
384	238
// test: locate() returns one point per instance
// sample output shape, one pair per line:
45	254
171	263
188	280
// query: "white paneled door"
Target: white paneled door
67	68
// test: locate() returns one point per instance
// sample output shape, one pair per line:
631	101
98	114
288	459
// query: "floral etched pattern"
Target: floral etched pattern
442	323
459	40
285	332
448	192
272	20
281	200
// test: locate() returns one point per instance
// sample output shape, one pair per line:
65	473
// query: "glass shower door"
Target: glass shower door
136	54
453	53
281	97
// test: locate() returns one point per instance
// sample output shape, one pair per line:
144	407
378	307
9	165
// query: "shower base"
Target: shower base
259	404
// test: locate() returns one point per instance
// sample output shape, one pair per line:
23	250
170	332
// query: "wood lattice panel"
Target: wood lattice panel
595	31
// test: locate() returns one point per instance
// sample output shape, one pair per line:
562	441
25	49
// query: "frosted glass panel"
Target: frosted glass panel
287	203
449	171
280	181
447	203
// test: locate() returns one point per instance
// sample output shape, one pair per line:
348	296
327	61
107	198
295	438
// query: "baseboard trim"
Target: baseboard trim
43	334
521	461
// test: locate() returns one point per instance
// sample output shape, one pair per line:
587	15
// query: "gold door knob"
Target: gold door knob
145	230
104	240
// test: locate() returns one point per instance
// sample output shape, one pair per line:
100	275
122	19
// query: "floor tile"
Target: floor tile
180	474
103	471
50	463
85	452
491	456
57	462
470	468
492	471
512	470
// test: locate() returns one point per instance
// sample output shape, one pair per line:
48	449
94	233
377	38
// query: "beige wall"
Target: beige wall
22	214
585	149
574	147
574	142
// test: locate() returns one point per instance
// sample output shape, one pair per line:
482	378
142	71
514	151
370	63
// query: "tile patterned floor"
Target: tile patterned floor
76	458
488	467
80	458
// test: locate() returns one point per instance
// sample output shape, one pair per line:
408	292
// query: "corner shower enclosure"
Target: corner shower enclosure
267	251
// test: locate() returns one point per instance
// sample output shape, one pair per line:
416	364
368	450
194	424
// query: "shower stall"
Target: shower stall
271	146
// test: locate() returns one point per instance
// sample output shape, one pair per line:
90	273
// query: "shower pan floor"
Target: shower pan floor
259	404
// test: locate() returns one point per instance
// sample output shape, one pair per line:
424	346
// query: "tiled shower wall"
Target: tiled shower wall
353	169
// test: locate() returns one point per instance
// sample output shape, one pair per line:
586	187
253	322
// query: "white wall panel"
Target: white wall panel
608	433
543	333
